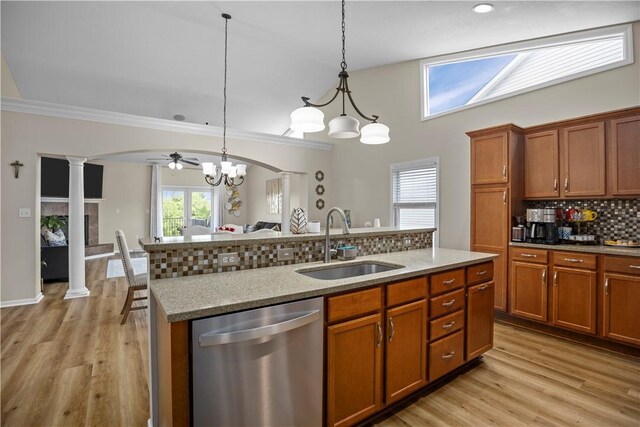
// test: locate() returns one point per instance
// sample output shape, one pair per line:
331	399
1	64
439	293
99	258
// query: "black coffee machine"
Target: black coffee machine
542	226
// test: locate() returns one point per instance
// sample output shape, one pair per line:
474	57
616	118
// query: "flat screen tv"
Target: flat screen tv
54	179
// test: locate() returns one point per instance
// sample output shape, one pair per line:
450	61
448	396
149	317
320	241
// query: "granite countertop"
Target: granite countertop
593	249
219	239
192	297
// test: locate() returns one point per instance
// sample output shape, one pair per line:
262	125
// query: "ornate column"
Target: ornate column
286	202
77	286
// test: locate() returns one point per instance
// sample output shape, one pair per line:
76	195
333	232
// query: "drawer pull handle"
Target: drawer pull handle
544	277
483	287
481	273
555	279
606	286
573	260
529	255
448	282
566	185
504	171
448	303
393	329
555	184
637	267
448	355
448	325
504	197
379	334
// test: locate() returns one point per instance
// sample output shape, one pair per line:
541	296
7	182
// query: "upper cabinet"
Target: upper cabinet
489	159
624	156
583	161
541	165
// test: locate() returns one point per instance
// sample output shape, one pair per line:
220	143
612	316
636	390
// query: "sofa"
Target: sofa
54	262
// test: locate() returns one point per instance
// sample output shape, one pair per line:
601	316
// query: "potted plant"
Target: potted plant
52	222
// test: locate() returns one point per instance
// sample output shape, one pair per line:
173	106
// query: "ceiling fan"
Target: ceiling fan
176	160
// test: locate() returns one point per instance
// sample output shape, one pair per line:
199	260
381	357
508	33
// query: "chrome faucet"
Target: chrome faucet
327	242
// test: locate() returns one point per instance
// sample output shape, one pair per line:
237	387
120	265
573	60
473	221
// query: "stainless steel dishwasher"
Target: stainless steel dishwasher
260	367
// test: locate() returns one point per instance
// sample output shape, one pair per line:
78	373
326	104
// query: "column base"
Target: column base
77	293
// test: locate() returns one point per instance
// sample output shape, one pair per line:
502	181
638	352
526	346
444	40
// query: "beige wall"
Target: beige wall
8	88
26	137
257	191
361	174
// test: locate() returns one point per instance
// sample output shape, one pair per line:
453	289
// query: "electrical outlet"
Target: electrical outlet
407	241
228	259
285	254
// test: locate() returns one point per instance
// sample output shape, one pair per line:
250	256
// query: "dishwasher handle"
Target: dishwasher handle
214	338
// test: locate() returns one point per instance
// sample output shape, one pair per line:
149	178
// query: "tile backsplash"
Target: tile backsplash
617	219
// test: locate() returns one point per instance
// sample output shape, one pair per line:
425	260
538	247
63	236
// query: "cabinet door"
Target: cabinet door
541	165
621	302
490	218
583	161
406	361
574	299
479	319
489	155
354	370
624	156
528	291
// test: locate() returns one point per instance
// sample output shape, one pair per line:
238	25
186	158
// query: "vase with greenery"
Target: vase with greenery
52	222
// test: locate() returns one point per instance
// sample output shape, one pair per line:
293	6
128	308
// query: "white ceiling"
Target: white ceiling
159	59
144	156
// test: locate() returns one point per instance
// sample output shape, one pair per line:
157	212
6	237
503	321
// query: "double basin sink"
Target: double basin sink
334	272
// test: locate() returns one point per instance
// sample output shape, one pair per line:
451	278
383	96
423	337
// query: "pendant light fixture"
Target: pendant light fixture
310	119
229	175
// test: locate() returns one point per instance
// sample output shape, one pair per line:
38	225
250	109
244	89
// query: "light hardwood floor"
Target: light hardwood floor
70	363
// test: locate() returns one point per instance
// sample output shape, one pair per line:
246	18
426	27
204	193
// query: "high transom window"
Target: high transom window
456	82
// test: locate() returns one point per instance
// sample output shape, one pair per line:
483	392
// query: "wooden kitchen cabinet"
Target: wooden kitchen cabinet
528	290
574	299
621	299
489	159
354	370
479	319
541	165
406	358
624	156
490	221
583	160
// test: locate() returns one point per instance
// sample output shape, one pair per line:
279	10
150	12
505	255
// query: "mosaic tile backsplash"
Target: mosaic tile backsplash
190	262
617	219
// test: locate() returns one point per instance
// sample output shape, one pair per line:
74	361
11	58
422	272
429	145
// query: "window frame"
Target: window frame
625	29
188	190
417	164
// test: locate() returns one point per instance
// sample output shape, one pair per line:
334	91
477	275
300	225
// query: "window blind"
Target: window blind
414	188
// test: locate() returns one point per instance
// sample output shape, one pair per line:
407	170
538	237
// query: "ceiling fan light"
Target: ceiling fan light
179	166
208	168
172	165
344	127
375	133
307	119
241	169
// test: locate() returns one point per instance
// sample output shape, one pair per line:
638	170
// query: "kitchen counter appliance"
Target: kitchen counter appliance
259	367
542	226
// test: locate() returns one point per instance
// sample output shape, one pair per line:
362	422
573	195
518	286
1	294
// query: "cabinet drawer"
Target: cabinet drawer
479	273
406	291
445	355
529	255
445	325
622	265
447	303
354	304
575	260
447	281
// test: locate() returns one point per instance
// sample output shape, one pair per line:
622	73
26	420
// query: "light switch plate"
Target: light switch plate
24	213
228	259
285	254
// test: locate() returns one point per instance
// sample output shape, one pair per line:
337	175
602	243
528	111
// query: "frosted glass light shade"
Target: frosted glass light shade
307	119
375	133
225	167
344	127
241	169
208	168
178	166
233	172
172	165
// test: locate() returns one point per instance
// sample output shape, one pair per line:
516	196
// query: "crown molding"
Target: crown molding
80	113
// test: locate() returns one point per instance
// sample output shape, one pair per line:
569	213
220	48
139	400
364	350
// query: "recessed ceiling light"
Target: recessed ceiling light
483	8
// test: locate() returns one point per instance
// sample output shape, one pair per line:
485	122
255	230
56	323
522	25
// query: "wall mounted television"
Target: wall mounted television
54	179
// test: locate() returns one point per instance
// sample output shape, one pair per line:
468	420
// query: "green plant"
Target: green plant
52	222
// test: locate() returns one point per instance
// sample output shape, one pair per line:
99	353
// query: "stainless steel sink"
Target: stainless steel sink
350	270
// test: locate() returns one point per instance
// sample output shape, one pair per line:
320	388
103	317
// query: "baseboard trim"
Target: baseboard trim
18	302
100	255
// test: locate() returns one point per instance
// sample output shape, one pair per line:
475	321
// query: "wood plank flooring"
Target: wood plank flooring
70	363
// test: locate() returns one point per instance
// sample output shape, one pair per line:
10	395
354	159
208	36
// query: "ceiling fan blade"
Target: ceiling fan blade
194	159
190	162
157	158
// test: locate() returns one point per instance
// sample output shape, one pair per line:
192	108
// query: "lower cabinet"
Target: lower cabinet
354	370
574	299
445	355
528	290
479	319
621	304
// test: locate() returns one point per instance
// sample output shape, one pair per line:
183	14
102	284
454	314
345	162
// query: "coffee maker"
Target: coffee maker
542	226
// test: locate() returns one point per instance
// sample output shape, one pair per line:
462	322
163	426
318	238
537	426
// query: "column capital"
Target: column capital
286	173
76	161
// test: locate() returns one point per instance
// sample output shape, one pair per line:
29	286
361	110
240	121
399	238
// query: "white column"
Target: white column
286	202
77	286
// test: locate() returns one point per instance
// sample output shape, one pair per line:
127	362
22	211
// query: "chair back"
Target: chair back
195	230
126	260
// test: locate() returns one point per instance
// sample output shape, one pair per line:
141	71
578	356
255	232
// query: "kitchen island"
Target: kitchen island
446	279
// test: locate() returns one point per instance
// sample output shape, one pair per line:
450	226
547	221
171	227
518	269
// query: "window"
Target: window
414	188
456	82
182	207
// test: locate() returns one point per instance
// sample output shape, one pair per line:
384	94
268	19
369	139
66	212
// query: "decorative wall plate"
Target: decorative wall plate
319	176
320	204
319	189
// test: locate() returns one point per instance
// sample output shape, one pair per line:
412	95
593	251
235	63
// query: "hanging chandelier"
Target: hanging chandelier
229	175
310	119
